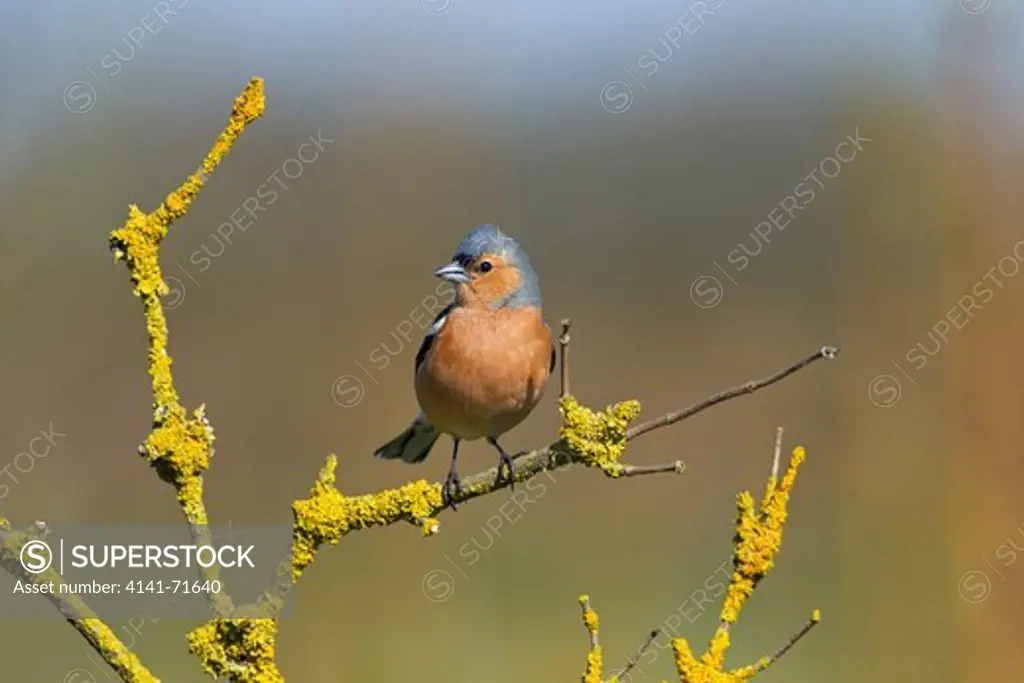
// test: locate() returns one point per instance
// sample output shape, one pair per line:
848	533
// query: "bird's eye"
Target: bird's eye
485	266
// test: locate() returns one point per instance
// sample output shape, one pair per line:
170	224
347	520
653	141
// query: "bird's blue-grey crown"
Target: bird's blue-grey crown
488	239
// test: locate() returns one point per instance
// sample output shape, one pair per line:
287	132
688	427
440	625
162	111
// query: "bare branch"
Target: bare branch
631	664
563	363
768	661
637	470
778	453
826	352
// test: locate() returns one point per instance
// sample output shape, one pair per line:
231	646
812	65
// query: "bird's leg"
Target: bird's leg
452	484
505	462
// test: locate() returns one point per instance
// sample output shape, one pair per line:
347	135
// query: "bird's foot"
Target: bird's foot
452	489
506	462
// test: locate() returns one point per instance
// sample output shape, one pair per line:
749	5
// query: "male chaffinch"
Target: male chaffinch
485	361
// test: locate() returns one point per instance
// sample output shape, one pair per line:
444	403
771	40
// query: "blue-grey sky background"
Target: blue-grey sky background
523	61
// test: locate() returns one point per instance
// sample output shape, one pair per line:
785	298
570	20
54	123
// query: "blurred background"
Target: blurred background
645	155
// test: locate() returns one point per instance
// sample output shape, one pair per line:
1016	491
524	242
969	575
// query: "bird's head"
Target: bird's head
490	269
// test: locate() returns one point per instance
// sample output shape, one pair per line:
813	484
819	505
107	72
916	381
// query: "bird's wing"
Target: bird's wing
428	340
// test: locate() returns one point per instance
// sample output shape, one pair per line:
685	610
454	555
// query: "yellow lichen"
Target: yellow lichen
139	239
242	650
120	658
595	664
590	619
327	515
597	437
180	445
701	671
715	656
123	660
758	537
757	542
98	634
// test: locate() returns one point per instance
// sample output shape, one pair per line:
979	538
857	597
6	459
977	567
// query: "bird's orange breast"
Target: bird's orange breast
485	372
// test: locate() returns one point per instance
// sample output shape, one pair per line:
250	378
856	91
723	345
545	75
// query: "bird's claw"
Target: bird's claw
506	462
452	489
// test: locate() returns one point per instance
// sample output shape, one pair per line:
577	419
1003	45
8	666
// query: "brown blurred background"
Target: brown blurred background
444	115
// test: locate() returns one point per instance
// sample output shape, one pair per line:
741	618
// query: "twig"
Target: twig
72	607
723	622
588	620
563	363
778	454
180	445
768	661
595	662
39	531
755	546
826	352
637	470
631	663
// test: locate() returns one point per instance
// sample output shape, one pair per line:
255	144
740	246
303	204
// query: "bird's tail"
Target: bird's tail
412	445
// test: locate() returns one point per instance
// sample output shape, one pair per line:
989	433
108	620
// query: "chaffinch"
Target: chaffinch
485	360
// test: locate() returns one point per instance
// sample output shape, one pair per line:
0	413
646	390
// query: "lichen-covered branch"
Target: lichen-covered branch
595	660
181	444
591	438
757	542
239	649
100	636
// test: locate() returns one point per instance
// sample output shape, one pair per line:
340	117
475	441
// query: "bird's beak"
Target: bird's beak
453	272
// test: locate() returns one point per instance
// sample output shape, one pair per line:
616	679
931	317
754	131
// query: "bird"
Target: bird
485	360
